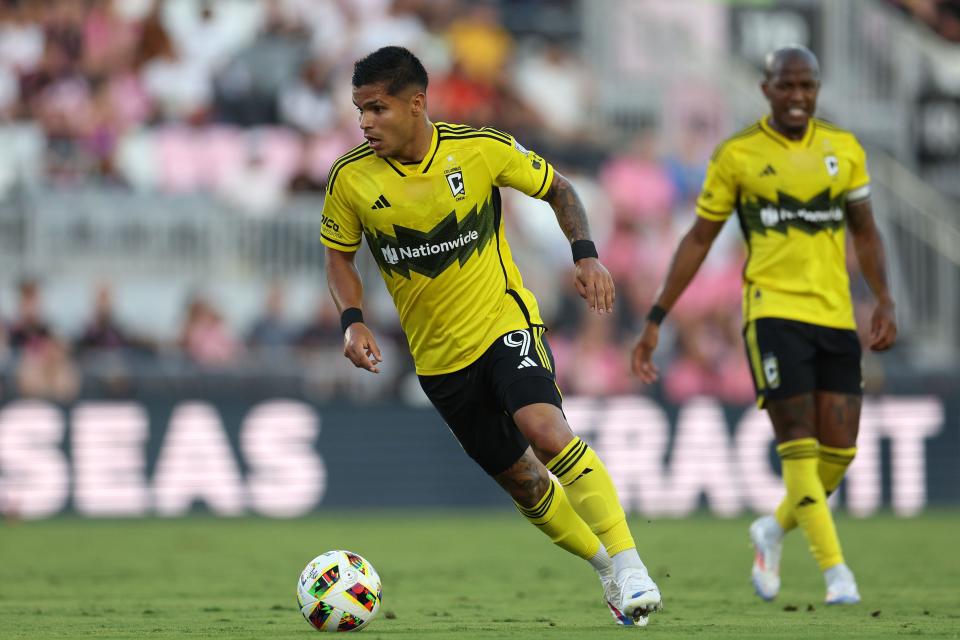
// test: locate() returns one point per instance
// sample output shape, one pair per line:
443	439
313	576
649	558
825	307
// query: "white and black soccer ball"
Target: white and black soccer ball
339	591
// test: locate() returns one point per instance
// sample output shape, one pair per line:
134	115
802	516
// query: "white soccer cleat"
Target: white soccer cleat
767	547
632	598
841	585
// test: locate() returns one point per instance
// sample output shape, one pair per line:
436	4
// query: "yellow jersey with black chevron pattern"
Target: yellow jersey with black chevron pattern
435	229
790	197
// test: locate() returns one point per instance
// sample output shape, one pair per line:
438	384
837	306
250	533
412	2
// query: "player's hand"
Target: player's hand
883	327
641	360
360	347
595	285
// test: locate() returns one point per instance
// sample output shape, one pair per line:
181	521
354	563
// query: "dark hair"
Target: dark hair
394	66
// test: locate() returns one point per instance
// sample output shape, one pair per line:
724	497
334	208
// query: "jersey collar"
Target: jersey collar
785	141
409	169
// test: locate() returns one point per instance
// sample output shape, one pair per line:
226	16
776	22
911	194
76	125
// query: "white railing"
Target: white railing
923	239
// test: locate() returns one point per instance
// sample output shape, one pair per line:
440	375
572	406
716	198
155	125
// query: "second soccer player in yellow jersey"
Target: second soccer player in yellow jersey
426	198
797	184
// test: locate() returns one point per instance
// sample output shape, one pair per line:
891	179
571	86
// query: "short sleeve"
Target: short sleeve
717	198
340	228
859	178
516	167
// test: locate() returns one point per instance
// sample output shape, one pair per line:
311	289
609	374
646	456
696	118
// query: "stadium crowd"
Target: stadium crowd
248	101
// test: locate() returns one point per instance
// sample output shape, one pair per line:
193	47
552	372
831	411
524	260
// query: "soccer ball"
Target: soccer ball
339	591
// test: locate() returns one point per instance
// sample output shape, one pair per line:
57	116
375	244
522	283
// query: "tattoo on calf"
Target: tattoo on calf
525	480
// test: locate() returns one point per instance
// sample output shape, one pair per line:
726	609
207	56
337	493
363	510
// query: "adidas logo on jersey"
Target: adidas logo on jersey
768	171
381	203
806	501
527	362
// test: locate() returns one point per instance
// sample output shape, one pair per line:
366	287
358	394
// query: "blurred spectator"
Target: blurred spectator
103	332
306	103
456	97
481	46
270	331
109	37
709	363
592	363
686	162
107	351
639	187
323	329
248	87
46	371
205	338
29	330
180	88
556	85
21	38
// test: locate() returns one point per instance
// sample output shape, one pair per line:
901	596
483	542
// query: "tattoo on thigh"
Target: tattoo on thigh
793	418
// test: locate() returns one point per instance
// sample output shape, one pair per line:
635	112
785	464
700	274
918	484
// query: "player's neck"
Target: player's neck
416	150
790	134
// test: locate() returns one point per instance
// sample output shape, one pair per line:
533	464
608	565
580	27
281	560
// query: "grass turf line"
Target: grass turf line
479	574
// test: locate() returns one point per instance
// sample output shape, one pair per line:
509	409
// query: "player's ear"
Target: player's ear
418	103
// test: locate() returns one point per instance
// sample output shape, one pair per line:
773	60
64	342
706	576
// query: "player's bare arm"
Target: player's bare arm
690	253
868	245
359	345
592	279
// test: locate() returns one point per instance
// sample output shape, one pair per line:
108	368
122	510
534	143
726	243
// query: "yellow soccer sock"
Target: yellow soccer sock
805	492
591	492
555	517
831	469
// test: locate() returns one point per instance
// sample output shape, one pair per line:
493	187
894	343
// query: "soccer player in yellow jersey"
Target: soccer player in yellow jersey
426	198
797	183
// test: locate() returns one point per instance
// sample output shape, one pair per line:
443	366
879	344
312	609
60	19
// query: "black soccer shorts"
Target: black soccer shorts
478	401
788	358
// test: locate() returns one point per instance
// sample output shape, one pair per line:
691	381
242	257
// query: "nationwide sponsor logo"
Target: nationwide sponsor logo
772	216
394	256
431	252
819	213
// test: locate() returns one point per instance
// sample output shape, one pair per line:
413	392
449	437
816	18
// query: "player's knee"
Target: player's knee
545	429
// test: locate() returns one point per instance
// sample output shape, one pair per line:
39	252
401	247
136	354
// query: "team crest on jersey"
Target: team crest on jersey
771	370
454	176
833	165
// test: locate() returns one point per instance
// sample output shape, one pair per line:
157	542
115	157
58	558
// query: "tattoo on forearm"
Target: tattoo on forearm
569	209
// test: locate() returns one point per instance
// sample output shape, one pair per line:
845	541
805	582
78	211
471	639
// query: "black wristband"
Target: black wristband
349	316
583	249
657	314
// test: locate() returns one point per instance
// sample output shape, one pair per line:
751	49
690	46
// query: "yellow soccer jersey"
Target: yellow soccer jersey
436	231
790	197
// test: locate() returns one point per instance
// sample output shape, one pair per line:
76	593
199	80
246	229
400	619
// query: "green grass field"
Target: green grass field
482	574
